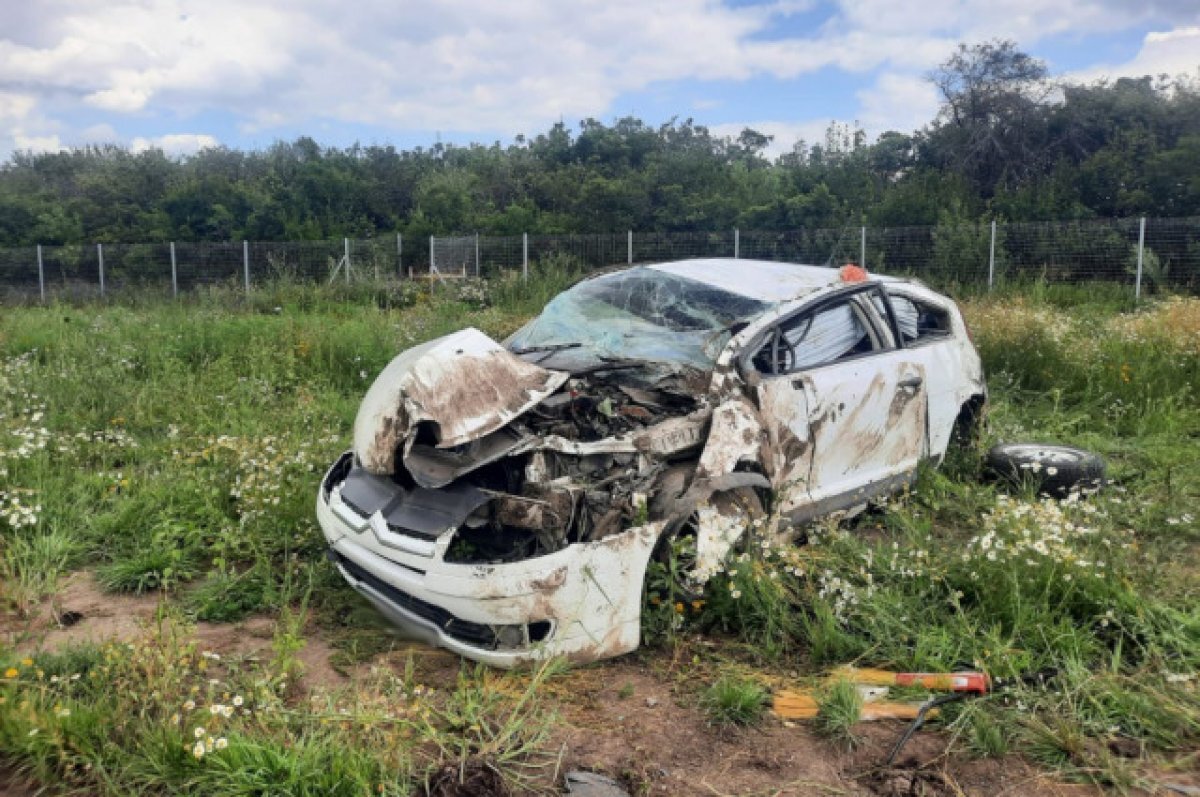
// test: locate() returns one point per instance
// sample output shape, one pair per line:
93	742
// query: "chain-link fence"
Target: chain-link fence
1142	254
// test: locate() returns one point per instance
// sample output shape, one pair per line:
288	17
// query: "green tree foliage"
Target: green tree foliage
962	247
991	127
1006	143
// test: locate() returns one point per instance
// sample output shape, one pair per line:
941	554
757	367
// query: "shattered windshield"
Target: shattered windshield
639	314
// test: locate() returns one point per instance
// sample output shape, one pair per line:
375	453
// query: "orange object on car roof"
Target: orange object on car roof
852	273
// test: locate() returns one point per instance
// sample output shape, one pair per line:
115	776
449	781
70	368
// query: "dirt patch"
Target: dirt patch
627	721
12	785
319	672
82	612
630	718
633	722
475	778
926	769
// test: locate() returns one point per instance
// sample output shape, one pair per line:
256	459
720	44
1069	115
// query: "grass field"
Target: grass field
172	452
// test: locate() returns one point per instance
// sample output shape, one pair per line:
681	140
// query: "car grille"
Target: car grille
483	636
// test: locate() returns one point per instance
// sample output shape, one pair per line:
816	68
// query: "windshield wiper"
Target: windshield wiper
612	364
546	347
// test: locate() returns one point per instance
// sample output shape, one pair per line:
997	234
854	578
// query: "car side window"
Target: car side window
919	321
832	333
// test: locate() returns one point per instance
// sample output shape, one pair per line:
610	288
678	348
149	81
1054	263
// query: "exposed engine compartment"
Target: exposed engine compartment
550	498
502	459
578	466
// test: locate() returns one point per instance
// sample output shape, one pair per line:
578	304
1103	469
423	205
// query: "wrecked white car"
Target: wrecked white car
504	500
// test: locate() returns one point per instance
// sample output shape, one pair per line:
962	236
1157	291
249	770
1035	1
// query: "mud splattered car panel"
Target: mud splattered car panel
503	501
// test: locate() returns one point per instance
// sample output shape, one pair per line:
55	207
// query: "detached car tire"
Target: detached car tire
1054	469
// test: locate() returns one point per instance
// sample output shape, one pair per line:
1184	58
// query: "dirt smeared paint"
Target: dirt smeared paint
592	459
466	385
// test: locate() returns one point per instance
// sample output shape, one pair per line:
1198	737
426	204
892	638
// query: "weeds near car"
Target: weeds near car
735	701
176	448
838	711
957	573
166	714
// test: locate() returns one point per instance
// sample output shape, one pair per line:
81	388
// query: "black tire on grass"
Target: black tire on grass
1055	470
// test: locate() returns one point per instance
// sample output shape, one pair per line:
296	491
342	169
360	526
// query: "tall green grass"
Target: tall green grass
1101	592
175	448
161	716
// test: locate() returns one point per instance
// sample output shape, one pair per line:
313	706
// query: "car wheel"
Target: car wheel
676	549
1055	470
968	426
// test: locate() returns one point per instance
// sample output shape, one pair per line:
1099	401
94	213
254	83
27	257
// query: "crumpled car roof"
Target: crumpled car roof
765	280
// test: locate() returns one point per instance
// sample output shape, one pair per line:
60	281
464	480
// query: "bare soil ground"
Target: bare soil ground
82	612
628	718
660	744
13	786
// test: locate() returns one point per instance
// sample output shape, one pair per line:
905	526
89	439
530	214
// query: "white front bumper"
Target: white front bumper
589	593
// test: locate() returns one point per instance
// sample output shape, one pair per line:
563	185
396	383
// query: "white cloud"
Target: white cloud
482	66
452	64
175	143
15	107
897	101
1026	21
449	64
122	99
1174	52
50	143
23	127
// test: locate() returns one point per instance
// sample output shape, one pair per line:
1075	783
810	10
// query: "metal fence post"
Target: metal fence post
992	257
100	258
629	249
737	243
432	262
525	256
174	273
862	247
346	257
41	275
1137	286
246	264
476	254
399	256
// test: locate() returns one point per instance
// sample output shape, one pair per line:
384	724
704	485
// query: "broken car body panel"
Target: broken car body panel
503	501
465	385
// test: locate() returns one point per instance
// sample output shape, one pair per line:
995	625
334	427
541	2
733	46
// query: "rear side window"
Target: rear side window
836	332
919	321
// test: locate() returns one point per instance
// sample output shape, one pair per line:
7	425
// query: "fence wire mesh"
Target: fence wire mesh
968	256
457	256
19	271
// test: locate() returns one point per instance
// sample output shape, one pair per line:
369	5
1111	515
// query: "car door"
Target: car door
862	400
926	332
787	456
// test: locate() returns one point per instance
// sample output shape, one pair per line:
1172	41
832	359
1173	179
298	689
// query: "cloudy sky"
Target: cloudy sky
183	74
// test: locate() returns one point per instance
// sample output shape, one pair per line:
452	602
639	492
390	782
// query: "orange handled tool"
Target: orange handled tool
976	682
803	705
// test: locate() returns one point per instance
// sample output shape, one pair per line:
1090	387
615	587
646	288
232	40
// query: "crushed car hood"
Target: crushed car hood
465	384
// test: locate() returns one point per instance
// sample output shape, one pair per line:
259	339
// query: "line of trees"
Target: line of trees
1008	142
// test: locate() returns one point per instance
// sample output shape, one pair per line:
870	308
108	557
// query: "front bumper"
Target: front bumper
582	602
